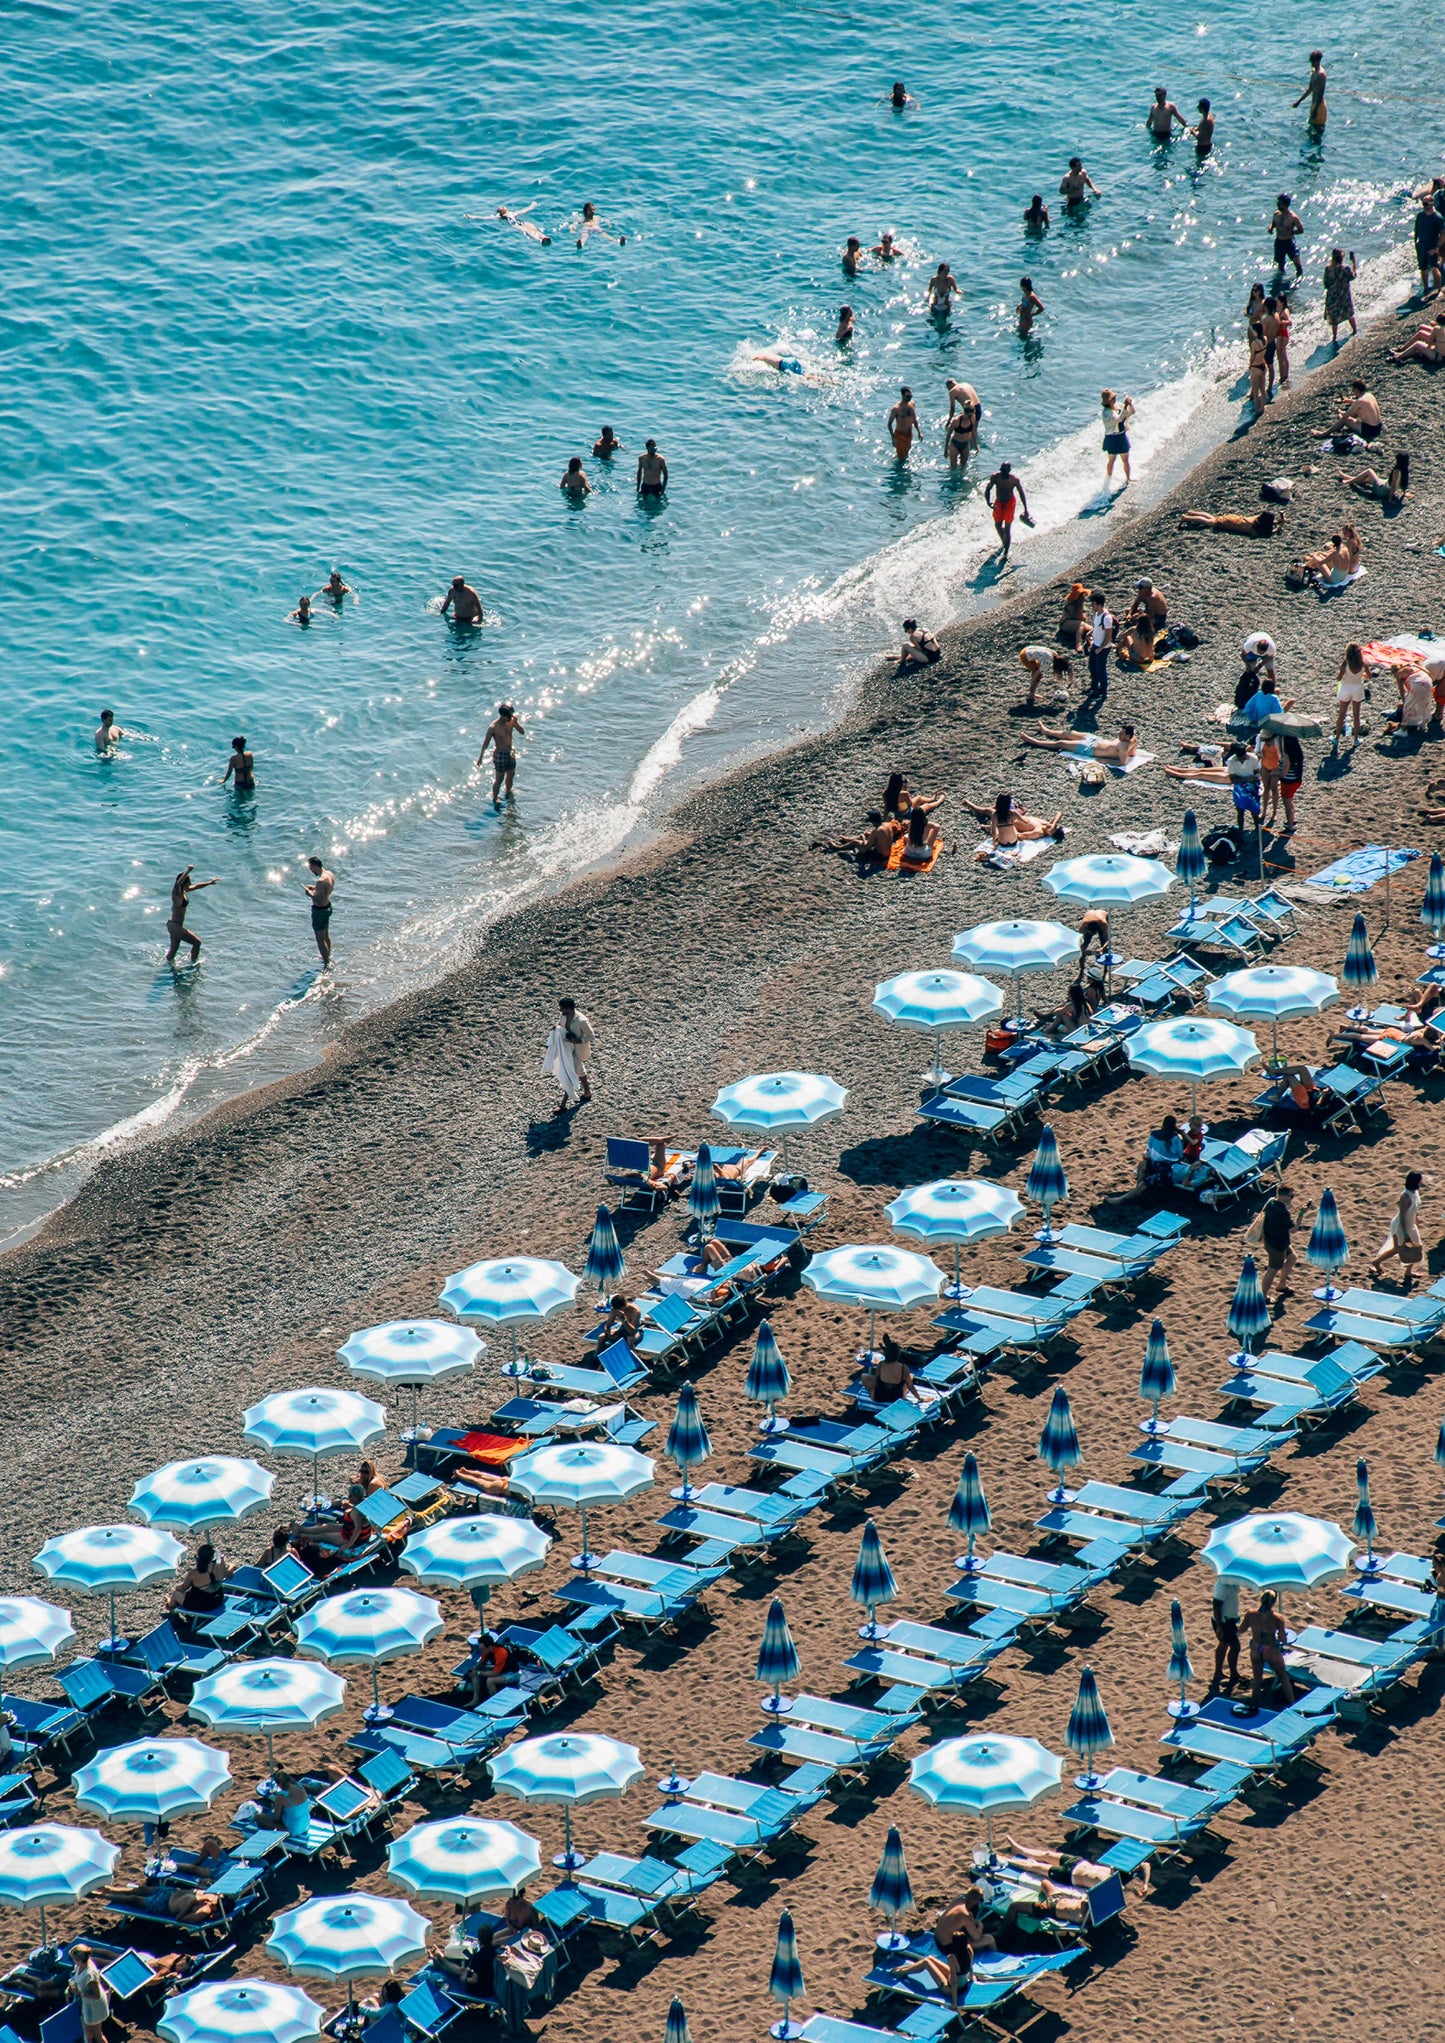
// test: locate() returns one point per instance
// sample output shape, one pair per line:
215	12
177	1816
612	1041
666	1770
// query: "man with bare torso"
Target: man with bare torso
651	472
462	603
321	888
502	734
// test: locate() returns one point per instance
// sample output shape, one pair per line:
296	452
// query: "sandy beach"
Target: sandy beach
191	1276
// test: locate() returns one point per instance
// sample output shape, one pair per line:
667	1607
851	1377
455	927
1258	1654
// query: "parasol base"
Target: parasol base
1047	1235
891	1940
1061	1496
786	2032
1088	1783
584	1563
777	1705
1153	1428
957	1291
377	1713
1182	1712
316	1500
1327	1294
1370	1568
871	1632
571	1861
673	1784
1241	1362
967	1565
773	1426
938	1077
113	1648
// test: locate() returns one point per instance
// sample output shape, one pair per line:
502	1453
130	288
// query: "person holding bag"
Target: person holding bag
1404	1240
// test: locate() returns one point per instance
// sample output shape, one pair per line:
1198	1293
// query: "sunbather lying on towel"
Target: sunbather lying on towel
1392	492
875	844
668	1175
1116	751
325	1545
1060	1875
485	1480
1416	1028
1009	825
1238	763
1263	524
157	1897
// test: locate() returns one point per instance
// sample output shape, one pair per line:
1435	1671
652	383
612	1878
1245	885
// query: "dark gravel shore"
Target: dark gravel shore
190	1276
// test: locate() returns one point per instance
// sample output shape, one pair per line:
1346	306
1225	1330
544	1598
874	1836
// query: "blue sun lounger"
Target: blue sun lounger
849	1719
1303	1394
846	1758
664	1889
1364	1669
924	1663
1424	1313
997	1976
1224	1472
1394	1337
1106	1273
747	1818
655	1609
829	2029
1186	1804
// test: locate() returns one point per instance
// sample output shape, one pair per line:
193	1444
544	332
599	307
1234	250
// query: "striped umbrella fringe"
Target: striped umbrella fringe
687	1436
785	1982
1046	1184
1088	1730
1359	971
777	1655
1059	1442
1249	1309
873	1581
1180	1667
702	1198
676	2030
1432	908
604	1266
1364	1526
891	1893
969	1513
768	1380
1156	1378
1191	864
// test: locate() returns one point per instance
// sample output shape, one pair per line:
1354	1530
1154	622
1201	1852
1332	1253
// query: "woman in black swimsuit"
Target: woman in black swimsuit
892	1379
201	1591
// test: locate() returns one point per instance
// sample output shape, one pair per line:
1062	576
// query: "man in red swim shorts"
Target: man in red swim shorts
1003	492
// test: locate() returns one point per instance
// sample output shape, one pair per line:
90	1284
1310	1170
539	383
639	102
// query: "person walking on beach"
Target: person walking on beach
1003	493
1162	115
1075	182
1314	92
1030	305
1117	413
461	602
502	735
651	472
320	891
1274	1230
241	766
1102	633
1403	1242
1428	227
568	1055
1339	298
182	888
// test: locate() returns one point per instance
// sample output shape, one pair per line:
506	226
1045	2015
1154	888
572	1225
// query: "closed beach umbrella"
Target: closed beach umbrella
777	1101
702	1198
604	1266
367	1627
1327	1248
1088	1730
463	1859
1190	864
151	1780
314	1425
785	1981
1017	947
241	2011
32	1632
1364	1526
475	1553
1273	993
1156	1378
984	1775
1248	1314
969	1513
572	1768
99	1560
879	1279
777	1658
579	1474
1059	1443
1046	1184
1279	1550
953	1211
258	1698
768	1379
687	1437
49	1864
510	1289
414	1352
1193	1048
873	1581
935	1001
676	2030
891	1893
1432	908
346	1937
1359	971
1180	1669
187	1496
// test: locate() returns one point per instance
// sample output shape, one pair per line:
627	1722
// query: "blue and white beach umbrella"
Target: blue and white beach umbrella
346	1937
1432	908
879	1279
785	1981
1088	1731
1364	1526
604	1266
687	1437
1180	1668
1046	1184
1156	1378
572	1768
951	1212
314	1425
1191	864
1017	947
1059	1447
463	1859
777	1658
509	1289
151	1780
367	1627
1327	1248
969	1513
475	1553
578	1474
1248	1315
935	1001
985	1774
702	1195
1273	993
1192	1048
777	1101
98	1560
892	1892
1110	879
414	1352
873	1581
1359	971
258	1698
768	1379
32	1632
188	1496
46	1865
676	2030
1279	1550
241	2011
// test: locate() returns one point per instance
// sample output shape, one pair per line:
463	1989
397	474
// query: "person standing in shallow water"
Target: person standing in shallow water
1314	92
1003	493
241	767
462	603
182	888
651	472
320	891
903	423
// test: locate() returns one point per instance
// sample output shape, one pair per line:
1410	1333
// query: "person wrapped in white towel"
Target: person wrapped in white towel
568	1055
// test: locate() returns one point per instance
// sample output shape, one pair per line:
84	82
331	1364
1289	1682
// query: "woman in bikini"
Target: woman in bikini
923	835
201	1590
1010	825
1391	491
1267	1641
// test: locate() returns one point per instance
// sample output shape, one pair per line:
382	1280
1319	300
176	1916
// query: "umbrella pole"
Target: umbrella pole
378	1713
114	1643
988	1832
44	1939
568	1861
582	1562
268	1786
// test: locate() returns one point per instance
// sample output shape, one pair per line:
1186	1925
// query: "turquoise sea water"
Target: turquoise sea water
250	332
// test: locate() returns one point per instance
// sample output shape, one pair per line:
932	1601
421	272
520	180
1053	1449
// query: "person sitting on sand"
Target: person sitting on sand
1009	824
924	837
1134	647
897	795
1117	751
1262	525
1428	344
1338	561
1391	491
1238	764
1362	414
876	842
920	647
1267	1641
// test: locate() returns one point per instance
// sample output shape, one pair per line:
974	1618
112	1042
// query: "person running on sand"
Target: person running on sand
651	472
1162	115
1054	738
515	216
323	885
1362	414
590	225
942	288
1285	225
461	602
1204	133
903	423
1261	525
604	448
241	766
1075	182
1267	1641
1390	492
1029	307
1427	346
502	734
182	888
1314	92
1003	492
844	331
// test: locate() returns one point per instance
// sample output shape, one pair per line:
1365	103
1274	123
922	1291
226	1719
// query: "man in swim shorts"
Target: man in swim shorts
1004	493
320	891
1075	182
651	472
502	734
903	422
1285	225
1162	115
462	602
1204	133
1314	92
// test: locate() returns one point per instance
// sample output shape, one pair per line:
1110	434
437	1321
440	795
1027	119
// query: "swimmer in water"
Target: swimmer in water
786	365
1030	305
607	446
851	255
302	613
1314	92
960	434
845	325
1204	133
336	588
651	472
502	734
900	96
108	732
590	224
462	602
515	218
1075	182
942	288
1036	215
182	888
574	483
887	250
903	423
241	766
1162	116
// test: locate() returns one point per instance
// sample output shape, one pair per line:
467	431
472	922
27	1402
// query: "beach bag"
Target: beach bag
996	1041
1295	576
1220	847
522	1961
1092	775
1280	491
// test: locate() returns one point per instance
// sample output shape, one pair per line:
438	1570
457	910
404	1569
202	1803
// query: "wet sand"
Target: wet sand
191	1276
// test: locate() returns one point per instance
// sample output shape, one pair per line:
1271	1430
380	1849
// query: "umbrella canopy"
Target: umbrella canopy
241	2011
873	1581
785	1981
984	1774
935	1001
1191	864
1046	1184
778	1100
151	1780
1059	1447
32	1632
221	1489
1192	1048
1273	993
969	1513
1363	1525
1279	1550
1180	1668
1088	1731
469	1553
463	1859
676	2030
892	1892
1109	878
777	1657
768	1380
1327	1247
268	1695
368	1627
1359	971
954	1211
880	1279
580	1473
687	1436
702	1194
345	1937
1017	947
570	1767
1248	1312
100	1560
508	1289
604	1266
1156	1378
1432	908
314	1425
47	1864
412	1351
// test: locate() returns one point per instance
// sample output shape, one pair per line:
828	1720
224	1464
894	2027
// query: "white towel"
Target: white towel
557	1063
1023	853
1075	766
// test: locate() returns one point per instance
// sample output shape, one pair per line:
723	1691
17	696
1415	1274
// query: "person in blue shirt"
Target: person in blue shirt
1264	703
